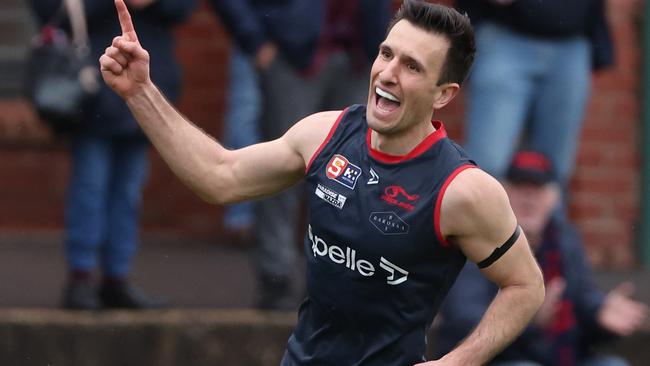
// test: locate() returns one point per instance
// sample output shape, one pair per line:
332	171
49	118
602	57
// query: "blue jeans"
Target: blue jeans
103	203
526	87
243	108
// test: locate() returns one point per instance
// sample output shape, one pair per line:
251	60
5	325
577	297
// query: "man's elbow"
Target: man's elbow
215	197
216	189
538	290
212	199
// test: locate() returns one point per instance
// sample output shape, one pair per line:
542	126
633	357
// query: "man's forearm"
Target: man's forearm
191	154
506	317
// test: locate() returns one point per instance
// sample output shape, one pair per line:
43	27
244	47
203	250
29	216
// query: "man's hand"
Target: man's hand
125	64
265	56
619	313
547	312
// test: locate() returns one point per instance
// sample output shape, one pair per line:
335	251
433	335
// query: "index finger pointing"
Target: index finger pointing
128	31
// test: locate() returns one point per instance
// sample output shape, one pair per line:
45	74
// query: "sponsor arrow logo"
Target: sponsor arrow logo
396	275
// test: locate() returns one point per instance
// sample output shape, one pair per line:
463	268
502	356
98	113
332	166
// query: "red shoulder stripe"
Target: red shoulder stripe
327	139
436	213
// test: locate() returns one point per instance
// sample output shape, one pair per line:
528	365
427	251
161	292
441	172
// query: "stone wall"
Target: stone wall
171	338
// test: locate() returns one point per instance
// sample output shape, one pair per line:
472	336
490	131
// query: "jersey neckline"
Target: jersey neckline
422	147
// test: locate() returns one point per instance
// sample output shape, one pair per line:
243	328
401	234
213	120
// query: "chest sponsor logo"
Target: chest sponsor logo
397	196
396	275
330	196
348	258
342	171
388	223
374	178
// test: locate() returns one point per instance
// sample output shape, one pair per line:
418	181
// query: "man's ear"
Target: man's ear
445	94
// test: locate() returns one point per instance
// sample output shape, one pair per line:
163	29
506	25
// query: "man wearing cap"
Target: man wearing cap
575	315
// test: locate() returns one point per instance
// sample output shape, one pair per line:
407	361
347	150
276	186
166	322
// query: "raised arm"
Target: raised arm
218	175
476	216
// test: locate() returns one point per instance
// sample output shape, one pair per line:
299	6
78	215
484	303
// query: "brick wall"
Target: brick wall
605	192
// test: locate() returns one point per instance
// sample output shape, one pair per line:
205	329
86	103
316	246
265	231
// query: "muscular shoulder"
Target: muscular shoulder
471	187
308	134
476	211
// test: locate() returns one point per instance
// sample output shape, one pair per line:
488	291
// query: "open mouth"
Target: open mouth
386	101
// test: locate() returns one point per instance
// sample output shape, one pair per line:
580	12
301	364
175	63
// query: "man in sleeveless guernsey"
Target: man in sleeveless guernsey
395	207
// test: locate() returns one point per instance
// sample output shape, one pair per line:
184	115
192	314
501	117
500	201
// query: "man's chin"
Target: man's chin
377	125
379	121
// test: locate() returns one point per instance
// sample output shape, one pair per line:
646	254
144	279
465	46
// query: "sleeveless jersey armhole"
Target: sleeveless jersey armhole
436	213
327	139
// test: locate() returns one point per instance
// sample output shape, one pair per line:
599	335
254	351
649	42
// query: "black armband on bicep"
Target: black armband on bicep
499	251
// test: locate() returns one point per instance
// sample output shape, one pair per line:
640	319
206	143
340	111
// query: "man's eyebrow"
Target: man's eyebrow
405	57
385	46
419	64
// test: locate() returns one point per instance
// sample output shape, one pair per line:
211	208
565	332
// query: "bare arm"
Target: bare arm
217	174
476	215
220	175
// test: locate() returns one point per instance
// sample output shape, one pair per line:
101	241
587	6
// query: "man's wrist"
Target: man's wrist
141	91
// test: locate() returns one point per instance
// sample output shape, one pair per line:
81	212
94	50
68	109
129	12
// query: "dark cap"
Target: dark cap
530	167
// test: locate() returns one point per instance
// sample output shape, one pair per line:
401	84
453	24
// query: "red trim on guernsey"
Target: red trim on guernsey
327	139
436	213
423	146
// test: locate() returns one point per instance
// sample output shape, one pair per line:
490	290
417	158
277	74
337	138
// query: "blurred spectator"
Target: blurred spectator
532	77
311	55
109	159
241	121
575	315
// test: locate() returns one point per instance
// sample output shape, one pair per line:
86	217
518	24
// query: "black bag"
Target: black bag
62	83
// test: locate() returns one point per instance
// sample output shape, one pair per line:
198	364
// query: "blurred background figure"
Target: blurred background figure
575	315
241	128
310	55
243	104
109	159
532	78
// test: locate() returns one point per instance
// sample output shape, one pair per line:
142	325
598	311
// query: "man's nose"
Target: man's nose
389	74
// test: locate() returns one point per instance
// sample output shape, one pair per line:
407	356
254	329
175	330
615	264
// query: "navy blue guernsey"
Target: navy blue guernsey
377	265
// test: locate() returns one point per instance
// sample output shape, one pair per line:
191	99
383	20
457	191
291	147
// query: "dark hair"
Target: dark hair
450	24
